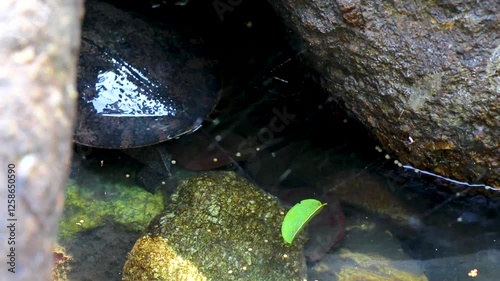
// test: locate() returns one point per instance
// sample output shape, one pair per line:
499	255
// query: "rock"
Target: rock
373	267
370	193
423	77
217	226
369	252
87	208
479	265
38	46
326	231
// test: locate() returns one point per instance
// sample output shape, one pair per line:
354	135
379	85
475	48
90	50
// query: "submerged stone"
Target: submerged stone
370	252
218	226
372	267
88	208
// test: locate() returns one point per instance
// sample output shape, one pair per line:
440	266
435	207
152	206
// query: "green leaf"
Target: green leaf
298	216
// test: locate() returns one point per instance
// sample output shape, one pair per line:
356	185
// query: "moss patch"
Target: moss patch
87	208
225	227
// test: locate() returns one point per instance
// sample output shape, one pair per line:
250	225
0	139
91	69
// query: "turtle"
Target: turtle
140	83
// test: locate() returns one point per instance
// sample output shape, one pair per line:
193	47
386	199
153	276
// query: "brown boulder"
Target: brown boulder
423	76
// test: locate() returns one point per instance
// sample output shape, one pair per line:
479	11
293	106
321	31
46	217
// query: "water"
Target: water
283	134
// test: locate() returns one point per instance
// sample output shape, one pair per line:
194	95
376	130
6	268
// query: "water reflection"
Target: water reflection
118	95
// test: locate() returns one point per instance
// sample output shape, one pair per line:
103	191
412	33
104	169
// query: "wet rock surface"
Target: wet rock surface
423	78
370	252
140	82
217	226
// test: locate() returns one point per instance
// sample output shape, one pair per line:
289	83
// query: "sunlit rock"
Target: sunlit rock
217	226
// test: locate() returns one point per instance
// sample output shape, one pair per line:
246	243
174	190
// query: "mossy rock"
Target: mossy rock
373	267
218	226
88	208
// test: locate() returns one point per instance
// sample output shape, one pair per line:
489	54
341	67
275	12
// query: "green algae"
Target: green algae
217	226
370	266
88	208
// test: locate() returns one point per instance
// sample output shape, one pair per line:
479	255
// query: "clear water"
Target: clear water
396	217
428	225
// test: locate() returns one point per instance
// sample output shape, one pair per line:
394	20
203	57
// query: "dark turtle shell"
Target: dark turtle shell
139	83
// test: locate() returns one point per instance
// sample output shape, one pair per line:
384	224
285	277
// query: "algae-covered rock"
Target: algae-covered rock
87	208
366	266
372	267
217	226
370	252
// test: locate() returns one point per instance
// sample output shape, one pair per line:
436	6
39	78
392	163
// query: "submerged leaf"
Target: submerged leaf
298	216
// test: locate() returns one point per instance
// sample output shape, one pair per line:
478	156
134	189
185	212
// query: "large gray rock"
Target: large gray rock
422	76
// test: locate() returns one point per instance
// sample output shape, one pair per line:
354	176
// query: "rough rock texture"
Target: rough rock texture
217	227
38	47
423	76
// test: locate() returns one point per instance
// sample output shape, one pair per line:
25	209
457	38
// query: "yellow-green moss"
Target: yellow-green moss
225	227
161	263
373	267
87	208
